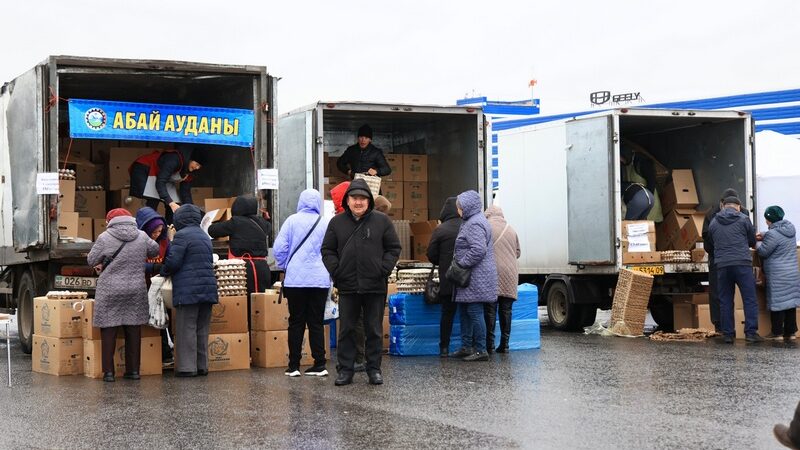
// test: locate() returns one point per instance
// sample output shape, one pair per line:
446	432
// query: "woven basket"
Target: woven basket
631	297
373	182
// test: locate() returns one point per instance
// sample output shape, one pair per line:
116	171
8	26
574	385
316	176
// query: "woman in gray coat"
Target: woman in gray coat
778	249
121	294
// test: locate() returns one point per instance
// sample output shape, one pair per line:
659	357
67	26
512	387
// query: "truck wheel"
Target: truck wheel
563	314
26	291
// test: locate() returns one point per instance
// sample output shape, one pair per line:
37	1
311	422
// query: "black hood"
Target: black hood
728	216
358	184
449	210
187	216
245	205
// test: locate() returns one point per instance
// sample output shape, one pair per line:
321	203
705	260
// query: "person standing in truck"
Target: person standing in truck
166	176
363	157
639	194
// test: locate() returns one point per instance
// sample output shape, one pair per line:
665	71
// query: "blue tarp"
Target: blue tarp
418	340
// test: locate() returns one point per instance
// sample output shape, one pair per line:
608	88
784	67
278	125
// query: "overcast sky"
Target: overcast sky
436	51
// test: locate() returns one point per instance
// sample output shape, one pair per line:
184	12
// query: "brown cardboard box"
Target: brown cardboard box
149	364
386	329
327	334
77	148
57	356
697	298
415	168
662	242
98	227
91	204
66	195
68	224
761	299
229	315
681	192
391	289
267	313
200	194
684	316
92	333
85	228
651	227
690	234
86	172
674	221
223	206
395	214
415	214
420	237
228	352
395	161
640	257
704	317
119	163
393	191
56	318
122	199
764	323
415	195
271	348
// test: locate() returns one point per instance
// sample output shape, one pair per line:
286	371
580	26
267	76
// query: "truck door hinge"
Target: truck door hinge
481	144
319	140
615	137
752	139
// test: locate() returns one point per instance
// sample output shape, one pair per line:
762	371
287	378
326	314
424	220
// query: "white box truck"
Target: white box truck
34	138
453	138
560	187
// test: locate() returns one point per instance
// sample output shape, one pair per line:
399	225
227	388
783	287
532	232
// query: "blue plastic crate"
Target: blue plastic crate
527	304
418	340
411	309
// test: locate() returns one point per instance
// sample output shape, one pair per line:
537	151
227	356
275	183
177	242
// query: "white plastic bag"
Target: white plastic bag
331	307
158	314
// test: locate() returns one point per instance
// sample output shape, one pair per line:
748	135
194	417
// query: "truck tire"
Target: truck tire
26	291
564	315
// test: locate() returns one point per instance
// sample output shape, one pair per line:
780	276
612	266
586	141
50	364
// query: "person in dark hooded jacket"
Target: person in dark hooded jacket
359	251
440	252
190	263
249	240
730	237
713	299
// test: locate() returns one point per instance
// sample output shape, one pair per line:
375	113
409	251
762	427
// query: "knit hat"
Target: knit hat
365	131
117	212
731	200
199	156
774	213
730	192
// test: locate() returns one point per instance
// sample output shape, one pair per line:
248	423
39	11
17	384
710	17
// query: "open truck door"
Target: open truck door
297	145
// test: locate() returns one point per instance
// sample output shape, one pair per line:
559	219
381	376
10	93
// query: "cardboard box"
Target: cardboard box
223	206
637	227
200	194
393	191
267	313
77	149
91	204
761	299
395	161
764	323
98	227
662	242
66	195
395	214
92	333
56	318
122	199
86	172
68	224
385	332
415	168
420	237
697	298
229	315
150	362
415	195
704	317
86	228
674	221
683	315
119	163
57	356
228	352
681	193
271	348
640	257
415	215
690	234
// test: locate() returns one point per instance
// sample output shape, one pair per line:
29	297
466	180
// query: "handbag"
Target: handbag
158	314
459	275
431	289
161	286
298	248
108	260
331	307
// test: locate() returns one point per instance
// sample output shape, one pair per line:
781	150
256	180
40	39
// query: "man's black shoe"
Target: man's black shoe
185	374
728	339
343	379
132	375
108	377
202	372
462	352
753	338
375	378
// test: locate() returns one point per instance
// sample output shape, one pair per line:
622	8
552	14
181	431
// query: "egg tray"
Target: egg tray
67	295
224	292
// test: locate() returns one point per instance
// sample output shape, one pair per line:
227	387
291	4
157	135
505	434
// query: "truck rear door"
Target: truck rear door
590	191
295	153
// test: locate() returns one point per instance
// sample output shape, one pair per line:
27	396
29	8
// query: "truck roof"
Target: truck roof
383	106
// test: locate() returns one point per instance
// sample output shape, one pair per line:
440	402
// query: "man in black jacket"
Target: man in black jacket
363	157
713	298
360	250
440	252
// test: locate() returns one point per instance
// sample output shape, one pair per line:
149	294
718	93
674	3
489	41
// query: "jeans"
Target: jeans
473	326
306	309
449	308
727	279
350	307
784	323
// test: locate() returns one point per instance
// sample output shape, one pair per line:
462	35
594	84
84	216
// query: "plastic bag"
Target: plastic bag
158	314
331	307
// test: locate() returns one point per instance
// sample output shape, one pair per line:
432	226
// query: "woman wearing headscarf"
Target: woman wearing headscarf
778	249
474	252
440	252
121	295
506	253
307	282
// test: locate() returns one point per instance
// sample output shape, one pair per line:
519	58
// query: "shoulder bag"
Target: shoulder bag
432	289
296	249
460	276
109	259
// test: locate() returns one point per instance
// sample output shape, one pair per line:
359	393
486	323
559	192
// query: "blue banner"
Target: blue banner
100	119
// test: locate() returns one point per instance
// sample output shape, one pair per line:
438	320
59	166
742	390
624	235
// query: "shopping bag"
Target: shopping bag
331	307
155	297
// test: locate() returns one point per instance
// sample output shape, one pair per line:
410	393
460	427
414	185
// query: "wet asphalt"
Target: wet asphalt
578	391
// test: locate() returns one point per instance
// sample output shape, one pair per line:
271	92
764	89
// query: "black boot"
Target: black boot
505	325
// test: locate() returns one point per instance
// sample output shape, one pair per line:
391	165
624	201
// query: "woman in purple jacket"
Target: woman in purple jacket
474	251
307	282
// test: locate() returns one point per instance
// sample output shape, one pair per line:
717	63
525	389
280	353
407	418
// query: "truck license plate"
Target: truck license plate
650	270
68	282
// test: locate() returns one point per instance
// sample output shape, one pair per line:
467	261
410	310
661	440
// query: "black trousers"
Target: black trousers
449	308
784	323
713	296
504	304
153	203
133	347
350	306
639	205
306	309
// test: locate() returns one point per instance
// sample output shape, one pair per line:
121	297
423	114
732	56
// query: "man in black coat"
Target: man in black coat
360	250
440	253
363	157
713	298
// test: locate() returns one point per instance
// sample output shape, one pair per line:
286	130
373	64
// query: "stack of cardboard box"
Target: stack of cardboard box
269	319
68	223
228	340
691	311
57	342
683	225
420	238
150	356
415	188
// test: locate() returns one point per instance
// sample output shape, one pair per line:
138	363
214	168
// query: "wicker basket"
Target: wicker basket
631	297
373	182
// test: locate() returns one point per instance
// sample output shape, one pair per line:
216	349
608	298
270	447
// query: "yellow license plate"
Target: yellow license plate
650	270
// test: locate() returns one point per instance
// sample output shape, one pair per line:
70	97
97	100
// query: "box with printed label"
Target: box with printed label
415	168
91	333
415	195
395	161
56	318
229	315
393	191
150	362
268	312
228	352
91	204
57	356
415	214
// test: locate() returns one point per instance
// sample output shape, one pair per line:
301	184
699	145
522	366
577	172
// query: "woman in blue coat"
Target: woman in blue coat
474	251
194	290
307	282
778	249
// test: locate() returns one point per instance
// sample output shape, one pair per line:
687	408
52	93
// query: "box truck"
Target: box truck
561	189
45	238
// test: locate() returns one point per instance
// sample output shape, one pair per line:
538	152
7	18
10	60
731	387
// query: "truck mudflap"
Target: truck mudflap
668	268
